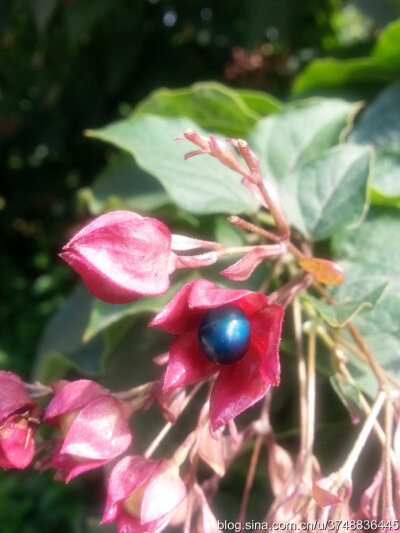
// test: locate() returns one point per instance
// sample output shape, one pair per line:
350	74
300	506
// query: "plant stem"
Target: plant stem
250	478
134	391
276	210
309	444
301	370
164	431
387	492
347	468
273	249
241	223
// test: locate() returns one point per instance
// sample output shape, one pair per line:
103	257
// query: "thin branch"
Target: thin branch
250	478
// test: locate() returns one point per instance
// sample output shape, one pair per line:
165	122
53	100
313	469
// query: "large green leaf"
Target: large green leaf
300	132
379	125
385	181
380	122
328	193
61	347
363	294
259	102
124	185
212	106
373	249
381	67
387	48
200	185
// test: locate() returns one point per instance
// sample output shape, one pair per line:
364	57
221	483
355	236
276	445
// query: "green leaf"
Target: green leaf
358	295
387	48
104	315
328	193
200	185
332	73
260	103
348	394
212	106
124	185
385	186
228	235
373	249
380	122
381	67
62	344
297	134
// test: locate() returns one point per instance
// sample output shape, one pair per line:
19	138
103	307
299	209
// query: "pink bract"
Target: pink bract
122	256
18	422
142	494
94	425
238	385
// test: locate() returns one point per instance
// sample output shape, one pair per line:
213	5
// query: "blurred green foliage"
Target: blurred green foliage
72	65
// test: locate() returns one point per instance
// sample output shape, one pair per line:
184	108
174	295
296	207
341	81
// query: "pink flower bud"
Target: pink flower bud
122	256
94	426
19	418
142	494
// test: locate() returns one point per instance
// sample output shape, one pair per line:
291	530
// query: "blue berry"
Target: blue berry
224	334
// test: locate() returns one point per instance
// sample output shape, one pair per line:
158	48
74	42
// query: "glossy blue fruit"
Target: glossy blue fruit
224	334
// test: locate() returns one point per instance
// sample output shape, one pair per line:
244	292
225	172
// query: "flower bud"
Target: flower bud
94	427
142	494
122	256
18	422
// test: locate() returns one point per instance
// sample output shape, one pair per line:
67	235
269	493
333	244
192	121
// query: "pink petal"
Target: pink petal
99	432
243	269
324	497
207	523
68	467
182	312
280	465
237	388
370	500
13	395
73	396
126	476
211	450
17	443
121	256
129	524
206	295
170	403
266	326
164	492
176	317
187	364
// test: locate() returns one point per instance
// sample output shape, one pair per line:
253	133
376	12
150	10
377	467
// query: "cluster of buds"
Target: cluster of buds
227	338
